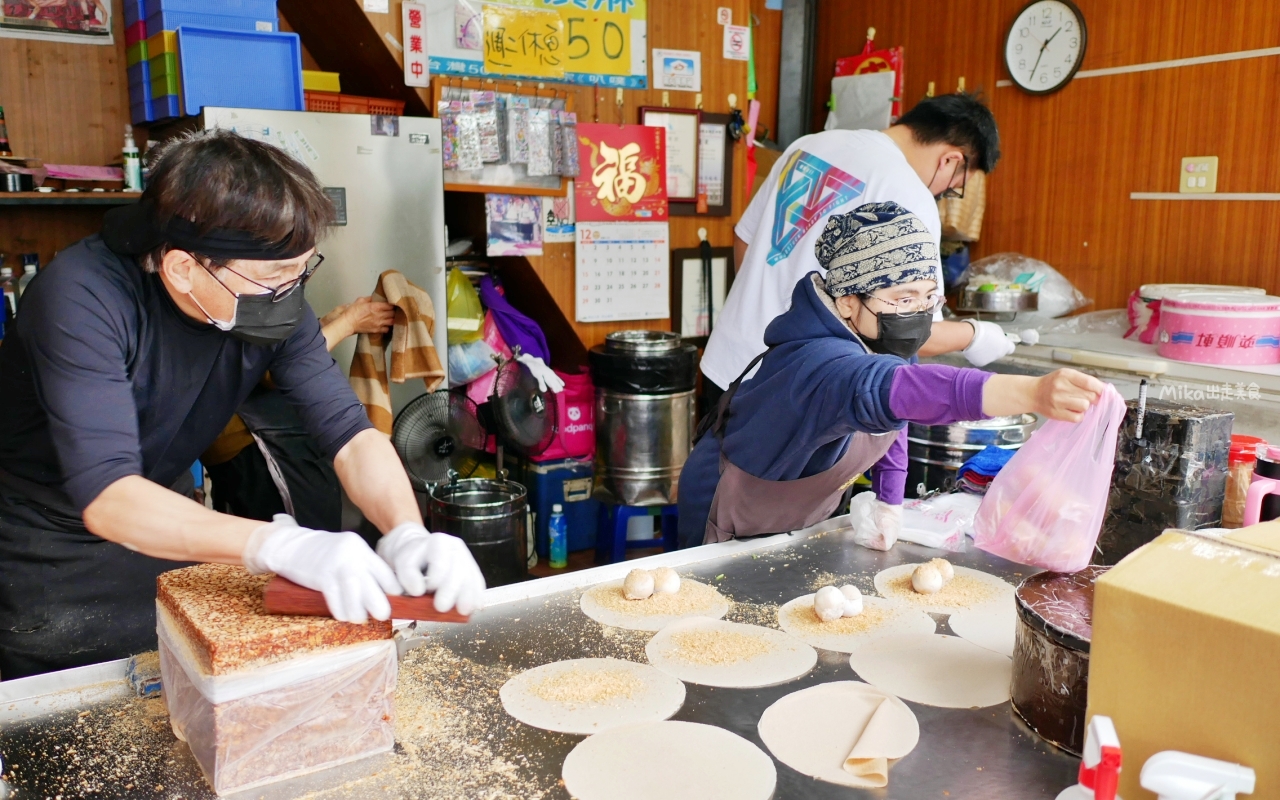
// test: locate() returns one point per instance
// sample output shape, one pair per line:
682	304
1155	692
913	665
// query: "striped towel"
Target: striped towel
413	351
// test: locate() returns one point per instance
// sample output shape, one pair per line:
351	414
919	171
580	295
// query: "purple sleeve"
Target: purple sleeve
889	474
934	394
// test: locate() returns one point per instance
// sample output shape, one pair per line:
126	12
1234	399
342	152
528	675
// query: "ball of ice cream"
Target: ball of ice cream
852	600
926	579
638	584
828	604
665	581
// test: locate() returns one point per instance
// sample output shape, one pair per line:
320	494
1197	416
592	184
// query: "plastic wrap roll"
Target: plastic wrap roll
667	372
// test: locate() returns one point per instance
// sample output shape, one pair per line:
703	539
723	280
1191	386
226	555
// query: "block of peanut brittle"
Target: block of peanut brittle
261	698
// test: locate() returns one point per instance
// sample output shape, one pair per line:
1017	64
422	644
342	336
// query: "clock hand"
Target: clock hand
1043	47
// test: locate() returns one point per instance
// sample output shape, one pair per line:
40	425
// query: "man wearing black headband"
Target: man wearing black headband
133	350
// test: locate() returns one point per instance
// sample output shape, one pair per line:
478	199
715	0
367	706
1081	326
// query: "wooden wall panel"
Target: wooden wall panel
1061	192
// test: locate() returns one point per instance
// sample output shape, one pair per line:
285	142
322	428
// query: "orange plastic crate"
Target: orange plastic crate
352	104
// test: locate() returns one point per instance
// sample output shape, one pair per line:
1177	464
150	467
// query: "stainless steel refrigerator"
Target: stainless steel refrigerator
384	174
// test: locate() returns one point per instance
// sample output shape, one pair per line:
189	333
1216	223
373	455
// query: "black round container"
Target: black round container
490	517
644	362
1050	687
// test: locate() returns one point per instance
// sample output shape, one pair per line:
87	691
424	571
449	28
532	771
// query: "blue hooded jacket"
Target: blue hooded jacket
816	387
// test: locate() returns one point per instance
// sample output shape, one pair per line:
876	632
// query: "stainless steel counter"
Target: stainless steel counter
985	754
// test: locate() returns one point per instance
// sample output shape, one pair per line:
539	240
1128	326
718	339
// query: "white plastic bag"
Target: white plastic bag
1045	508
875	524
940	521
1058	296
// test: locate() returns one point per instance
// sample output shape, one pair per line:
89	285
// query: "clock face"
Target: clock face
1045	45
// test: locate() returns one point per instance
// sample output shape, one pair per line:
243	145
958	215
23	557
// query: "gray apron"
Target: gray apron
745	505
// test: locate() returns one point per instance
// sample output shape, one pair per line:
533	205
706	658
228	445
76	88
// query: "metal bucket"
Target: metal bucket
936	452
642	442
642	342
490	516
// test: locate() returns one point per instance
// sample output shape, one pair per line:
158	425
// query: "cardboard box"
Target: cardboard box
1186	643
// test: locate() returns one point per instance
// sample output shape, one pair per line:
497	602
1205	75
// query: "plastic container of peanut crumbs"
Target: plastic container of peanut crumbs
288	718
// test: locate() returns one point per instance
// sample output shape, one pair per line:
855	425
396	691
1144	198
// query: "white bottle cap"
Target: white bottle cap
557	508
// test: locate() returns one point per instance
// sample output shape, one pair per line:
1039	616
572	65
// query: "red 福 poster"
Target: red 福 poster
623	176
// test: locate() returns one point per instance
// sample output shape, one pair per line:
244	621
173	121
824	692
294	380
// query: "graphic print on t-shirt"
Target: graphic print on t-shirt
808	189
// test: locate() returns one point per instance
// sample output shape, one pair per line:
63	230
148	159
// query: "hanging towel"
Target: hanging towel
413	350
516	328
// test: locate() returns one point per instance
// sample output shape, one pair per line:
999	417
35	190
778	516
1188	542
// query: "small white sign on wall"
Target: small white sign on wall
413	18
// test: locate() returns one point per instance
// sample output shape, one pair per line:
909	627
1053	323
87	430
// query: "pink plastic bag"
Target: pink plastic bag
1045	508
480	389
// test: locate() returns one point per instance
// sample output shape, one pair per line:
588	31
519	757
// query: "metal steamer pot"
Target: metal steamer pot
644	409
936	452
491	517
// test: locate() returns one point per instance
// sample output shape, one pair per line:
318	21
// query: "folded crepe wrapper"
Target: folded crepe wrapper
869	757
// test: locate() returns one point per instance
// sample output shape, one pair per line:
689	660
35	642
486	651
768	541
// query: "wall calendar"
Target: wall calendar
622	271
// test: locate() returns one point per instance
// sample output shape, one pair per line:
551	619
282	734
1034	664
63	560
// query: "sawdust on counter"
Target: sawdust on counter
962	591
764	615
804	620
588	687
450	727
717	647
121	745
692	598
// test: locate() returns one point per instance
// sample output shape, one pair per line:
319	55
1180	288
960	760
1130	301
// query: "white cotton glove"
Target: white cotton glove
989	343
547	378
434	562
876	524
354	581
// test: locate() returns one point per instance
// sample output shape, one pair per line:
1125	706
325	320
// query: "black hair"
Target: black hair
961	120
219	179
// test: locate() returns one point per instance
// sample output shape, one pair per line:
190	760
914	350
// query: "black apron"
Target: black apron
67	597
284	474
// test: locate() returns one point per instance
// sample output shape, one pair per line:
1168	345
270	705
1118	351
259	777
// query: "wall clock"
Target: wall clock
1045	45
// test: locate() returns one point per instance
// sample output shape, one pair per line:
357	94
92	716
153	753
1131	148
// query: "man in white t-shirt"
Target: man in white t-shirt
922	157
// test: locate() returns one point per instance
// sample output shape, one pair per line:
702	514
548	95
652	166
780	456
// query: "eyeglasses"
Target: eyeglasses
278	293
958	192
910	305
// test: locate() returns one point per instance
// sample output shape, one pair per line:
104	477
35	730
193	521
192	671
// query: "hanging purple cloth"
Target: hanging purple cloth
516	328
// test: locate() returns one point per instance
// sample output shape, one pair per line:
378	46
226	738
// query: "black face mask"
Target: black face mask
257	319
262	322
901	335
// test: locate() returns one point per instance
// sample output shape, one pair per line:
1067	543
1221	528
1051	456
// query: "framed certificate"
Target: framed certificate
715	169
682	126
694	309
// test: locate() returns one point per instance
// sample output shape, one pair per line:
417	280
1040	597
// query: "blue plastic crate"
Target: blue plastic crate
172	20
141	110
140	75
254	9
134	11
566	482
166	106
240	69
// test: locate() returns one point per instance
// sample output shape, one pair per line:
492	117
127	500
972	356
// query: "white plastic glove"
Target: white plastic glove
876	524
989	343
434	562
354	581
547	378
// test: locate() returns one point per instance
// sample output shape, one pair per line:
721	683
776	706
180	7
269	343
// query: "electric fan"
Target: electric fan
438	433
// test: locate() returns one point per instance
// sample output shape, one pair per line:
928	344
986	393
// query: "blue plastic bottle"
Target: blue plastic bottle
558	536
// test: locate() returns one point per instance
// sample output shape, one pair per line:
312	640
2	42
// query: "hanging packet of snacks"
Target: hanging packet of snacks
540	160
556	142
486	111
448	133
569	144
518	130
469	150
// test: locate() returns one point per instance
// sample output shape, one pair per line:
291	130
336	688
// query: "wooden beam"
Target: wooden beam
341	38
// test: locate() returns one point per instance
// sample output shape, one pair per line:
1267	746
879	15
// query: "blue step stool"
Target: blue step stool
611	532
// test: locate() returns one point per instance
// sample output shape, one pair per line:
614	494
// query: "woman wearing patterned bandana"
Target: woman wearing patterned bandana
133	350
837	384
